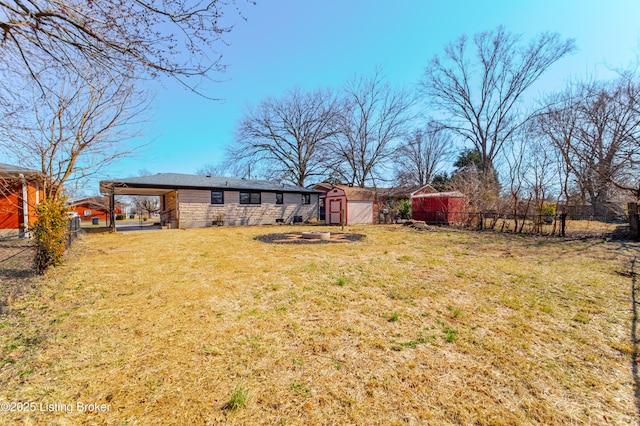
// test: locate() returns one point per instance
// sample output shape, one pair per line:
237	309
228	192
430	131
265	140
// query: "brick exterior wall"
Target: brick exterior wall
196	210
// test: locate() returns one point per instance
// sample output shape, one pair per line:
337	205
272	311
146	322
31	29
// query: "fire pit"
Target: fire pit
316	235
309	238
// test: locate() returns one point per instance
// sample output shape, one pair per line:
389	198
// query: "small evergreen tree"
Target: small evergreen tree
404	209
441	182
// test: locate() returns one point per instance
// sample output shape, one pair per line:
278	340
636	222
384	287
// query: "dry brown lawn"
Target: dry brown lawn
211	326
16	269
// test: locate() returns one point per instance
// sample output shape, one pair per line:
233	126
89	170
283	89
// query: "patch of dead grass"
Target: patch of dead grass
16	269
446	327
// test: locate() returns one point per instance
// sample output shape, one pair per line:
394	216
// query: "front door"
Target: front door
335	210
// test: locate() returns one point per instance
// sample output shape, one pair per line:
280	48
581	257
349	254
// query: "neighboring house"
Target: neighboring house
93	207
20	193
192	201
439	207
390	195
357	205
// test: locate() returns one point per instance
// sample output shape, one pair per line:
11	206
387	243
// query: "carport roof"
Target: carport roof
164	182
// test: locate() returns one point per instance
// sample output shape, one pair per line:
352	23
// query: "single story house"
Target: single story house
20	192
439	207
93	207
357	205
192	201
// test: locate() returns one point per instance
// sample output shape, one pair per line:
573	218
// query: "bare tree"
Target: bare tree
177	38
516	162
596	128
74	129
148	204
288	135
421	155
470	182
628	179
481	96
543	169
374	116
233	168
212	170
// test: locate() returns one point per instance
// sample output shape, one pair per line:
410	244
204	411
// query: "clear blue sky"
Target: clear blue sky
284	43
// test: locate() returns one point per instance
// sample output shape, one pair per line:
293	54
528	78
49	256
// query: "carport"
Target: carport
168	216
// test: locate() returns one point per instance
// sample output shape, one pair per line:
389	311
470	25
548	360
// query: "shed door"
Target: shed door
335	207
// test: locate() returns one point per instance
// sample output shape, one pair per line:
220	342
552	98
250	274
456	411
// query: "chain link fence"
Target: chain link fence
563	225
73	230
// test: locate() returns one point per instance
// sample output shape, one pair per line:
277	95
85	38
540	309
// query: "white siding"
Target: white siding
360	212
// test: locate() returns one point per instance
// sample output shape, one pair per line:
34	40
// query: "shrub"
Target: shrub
50	233
404	209
121	216
546	210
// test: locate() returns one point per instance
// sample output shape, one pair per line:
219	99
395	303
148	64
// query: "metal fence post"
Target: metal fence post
634	225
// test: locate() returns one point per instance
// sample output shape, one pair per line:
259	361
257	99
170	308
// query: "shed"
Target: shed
353	204
439	207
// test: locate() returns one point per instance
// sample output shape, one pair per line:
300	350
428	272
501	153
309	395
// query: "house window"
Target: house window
306	198
217	197
279	198
250	198
88	212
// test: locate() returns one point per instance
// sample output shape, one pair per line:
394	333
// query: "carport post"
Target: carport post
112	214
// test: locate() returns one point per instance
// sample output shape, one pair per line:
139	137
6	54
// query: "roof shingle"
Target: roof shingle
185	181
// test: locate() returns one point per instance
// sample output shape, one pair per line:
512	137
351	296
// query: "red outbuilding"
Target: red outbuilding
439	207
20	193
93	207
